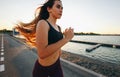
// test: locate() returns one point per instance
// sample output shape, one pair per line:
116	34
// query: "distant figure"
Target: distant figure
46	35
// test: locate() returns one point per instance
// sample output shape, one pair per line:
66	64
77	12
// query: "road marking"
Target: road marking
2	41
2	53
2	59
2	44
2	50
2	68
2	47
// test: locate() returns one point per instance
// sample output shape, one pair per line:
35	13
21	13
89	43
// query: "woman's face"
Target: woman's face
56	10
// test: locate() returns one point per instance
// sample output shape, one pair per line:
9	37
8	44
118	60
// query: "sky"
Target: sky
98	16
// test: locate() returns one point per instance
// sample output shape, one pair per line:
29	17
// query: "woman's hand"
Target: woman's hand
68	33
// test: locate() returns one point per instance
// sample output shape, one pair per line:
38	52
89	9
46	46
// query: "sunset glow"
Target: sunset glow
98	16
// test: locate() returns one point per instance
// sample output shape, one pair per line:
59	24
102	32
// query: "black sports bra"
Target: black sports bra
54	35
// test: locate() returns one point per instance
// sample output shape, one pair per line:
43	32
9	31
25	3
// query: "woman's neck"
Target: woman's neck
52	20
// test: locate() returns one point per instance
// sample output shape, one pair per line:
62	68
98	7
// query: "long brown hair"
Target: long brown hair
28	30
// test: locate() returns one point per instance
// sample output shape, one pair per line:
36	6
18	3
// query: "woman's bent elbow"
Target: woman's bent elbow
42	56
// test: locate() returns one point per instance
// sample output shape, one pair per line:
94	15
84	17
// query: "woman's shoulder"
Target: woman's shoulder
42	23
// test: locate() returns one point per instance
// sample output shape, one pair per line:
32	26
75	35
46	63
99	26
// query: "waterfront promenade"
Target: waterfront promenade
18	61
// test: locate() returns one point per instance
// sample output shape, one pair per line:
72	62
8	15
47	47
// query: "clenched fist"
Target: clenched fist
68	33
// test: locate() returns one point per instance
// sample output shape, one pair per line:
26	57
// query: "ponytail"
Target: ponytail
28	30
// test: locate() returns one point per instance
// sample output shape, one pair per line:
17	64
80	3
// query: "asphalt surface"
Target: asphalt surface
18	58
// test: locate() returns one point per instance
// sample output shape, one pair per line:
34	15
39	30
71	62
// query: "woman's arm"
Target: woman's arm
45	50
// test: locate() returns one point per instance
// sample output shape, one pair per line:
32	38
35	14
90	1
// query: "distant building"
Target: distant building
15	32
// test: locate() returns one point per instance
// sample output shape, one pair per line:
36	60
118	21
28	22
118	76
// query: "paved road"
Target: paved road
16	60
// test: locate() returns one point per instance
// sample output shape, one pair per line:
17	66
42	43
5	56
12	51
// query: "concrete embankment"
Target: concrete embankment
93	47
94	43
73	70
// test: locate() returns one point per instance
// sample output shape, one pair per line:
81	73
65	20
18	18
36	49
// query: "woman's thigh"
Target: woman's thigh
38	71
56	71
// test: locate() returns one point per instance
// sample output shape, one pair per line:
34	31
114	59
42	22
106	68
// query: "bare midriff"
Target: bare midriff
50	59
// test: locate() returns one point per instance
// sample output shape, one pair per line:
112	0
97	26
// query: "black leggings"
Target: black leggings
54	70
